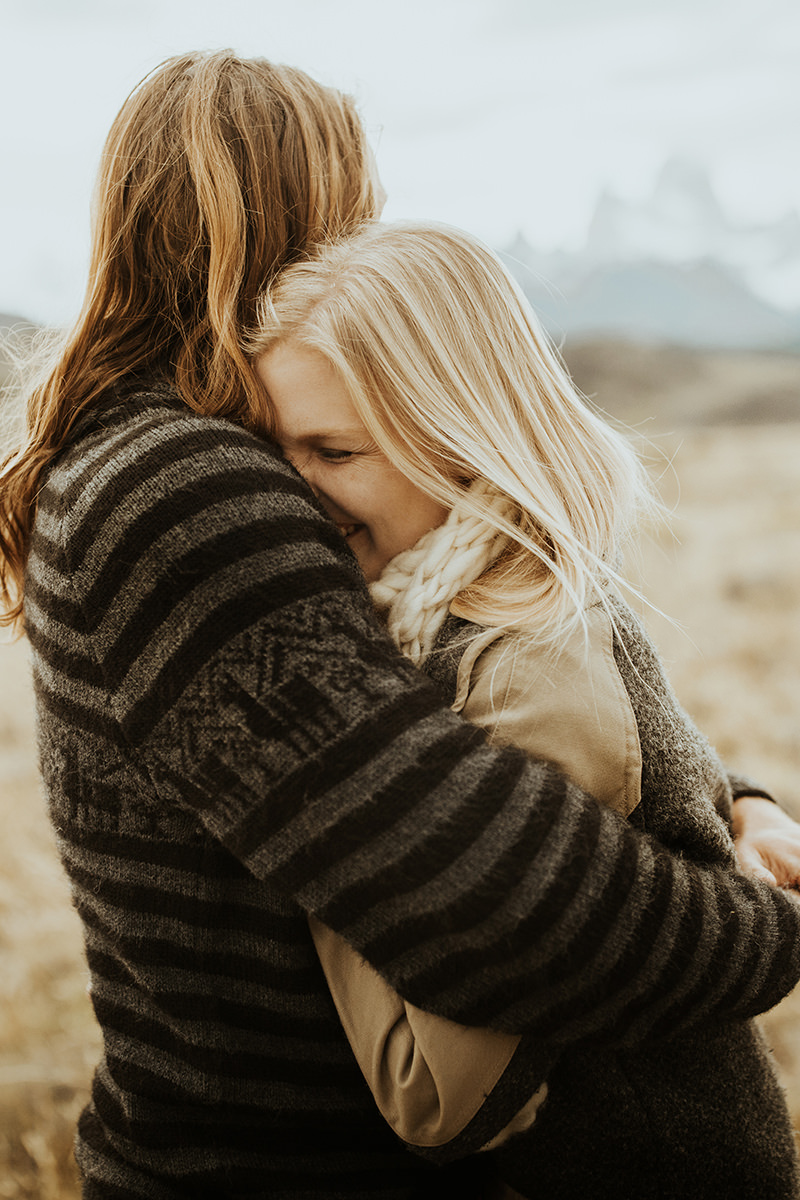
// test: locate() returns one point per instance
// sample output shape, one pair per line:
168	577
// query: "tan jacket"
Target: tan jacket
428	1075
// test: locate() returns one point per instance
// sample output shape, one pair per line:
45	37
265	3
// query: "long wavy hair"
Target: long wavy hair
217	172
451	373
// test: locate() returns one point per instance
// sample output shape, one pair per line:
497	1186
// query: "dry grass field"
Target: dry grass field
47	1038
729	574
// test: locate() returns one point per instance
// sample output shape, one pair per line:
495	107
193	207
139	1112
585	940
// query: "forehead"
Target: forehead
307	394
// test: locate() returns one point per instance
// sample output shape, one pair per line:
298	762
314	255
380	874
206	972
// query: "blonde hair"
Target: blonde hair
217	172
448	368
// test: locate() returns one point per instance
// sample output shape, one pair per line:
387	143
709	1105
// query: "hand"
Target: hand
767	841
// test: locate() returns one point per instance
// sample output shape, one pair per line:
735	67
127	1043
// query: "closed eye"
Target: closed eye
333	456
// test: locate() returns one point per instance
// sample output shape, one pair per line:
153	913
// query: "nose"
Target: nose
305	467
308	477
303	464
334	512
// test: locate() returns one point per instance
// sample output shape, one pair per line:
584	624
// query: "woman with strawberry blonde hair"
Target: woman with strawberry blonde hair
488	505
229	742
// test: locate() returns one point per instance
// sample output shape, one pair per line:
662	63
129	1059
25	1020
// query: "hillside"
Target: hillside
13	329
658	388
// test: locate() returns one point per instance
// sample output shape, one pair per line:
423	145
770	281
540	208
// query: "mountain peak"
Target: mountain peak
672	267
683	193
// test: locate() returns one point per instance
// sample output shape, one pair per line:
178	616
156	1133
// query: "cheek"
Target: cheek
410	515
342	493
345	494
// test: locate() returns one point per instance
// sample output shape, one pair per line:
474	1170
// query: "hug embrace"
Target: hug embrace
296	487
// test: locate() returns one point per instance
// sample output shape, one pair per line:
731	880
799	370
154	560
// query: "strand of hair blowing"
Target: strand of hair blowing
416	588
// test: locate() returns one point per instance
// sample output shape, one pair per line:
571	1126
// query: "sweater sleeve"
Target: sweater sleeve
226	632
434	1081
449	1089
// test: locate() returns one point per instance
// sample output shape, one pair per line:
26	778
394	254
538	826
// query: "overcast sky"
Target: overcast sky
497	115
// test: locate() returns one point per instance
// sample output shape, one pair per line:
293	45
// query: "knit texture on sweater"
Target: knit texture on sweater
700	1114
228	740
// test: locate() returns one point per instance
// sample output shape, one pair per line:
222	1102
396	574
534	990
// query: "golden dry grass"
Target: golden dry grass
47	1037
733	580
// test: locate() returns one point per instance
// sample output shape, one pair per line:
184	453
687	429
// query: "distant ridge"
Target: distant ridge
700	304
10	320
673	269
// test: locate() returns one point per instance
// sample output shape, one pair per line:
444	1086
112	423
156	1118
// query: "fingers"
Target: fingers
752	864
764	874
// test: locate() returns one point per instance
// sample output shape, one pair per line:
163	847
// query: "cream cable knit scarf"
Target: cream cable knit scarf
415	589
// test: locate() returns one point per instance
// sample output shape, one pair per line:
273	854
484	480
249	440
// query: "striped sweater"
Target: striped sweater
228	741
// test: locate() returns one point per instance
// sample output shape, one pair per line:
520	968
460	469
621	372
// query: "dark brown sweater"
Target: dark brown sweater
228	741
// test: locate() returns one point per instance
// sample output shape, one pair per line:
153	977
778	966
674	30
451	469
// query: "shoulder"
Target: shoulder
569	707
150	492
687	790
148	463
150	435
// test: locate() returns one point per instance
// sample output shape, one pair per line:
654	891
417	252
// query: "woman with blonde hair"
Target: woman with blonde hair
228	740
488	505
